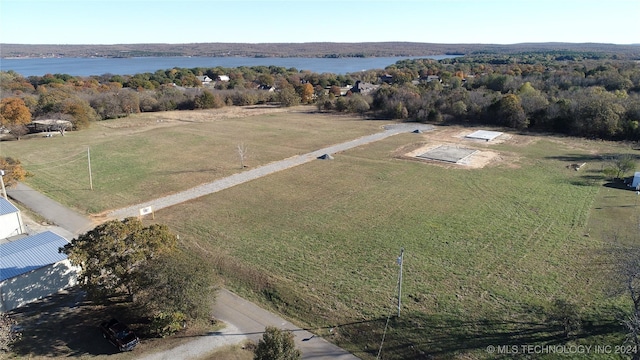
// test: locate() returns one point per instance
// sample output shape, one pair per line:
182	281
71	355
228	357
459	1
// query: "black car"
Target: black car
119	335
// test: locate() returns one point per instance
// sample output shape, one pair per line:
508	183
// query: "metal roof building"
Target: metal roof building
32	268
10	219
6	207
30	253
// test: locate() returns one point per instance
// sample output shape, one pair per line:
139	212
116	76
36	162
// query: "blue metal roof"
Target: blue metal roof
6	207
30	253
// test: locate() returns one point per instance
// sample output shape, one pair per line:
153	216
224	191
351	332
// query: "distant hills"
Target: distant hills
321	50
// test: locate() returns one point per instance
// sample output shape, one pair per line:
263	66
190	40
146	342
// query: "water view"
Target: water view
130	66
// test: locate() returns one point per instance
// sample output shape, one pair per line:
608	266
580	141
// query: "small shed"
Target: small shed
635	182
31	268
10	219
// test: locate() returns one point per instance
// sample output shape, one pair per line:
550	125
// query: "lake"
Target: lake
131	66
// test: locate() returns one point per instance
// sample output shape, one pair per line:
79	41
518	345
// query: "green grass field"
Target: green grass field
488	252
139	158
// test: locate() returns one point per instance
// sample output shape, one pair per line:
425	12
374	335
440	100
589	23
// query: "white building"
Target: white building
10	220
31	268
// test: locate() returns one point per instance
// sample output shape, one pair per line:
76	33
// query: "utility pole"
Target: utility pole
400	261
89	162
4	191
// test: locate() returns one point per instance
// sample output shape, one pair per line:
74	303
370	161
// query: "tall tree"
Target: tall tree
14	115
111	254
306	93
13	171
176	282
81	113
510	112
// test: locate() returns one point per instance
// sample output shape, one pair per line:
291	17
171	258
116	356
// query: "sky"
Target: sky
301	21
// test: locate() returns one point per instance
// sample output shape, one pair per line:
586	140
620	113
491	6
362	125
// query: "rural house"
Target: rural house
386	78
363	88
431	78
204	80
48	125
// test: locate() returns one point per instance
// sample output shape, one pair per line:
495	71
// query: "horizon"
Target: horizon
454	22
330	42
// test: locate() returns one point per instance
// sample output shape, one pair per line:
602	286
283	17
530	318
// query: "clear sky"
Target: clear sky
269	21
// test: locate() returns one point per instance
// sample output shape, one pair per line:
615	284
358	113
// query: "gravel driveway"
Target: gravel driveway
239	178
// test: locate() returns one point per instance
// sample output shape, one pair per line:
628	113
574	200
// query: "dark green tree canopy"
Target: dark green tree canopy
111	254
176	282
276	344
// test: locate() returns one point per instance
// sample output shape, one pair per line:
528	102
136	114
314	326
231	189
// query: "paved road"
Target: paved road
261	171
51	210
244	319
251	320
203	345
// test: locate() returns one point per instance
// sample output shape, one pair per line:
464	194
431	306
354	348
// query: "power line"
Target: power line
57	160
59	165
399	286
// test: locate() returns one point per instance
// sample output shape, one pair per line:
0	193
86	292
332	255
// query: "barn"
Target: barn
31	268
10	219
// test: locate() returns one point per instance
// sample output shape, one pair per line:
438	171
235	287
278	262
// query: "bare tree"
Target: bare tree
619	166
242	153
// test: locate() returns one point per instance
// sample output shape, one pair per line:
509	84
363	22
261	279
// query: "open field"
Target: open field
490	251
147	155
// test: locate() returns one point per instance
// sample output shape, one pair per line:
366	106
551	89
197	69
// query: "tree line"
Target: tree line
584	94
311	49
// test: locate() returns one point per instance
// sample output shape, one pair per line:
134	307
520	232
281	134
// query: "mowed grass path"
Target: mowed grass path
487	251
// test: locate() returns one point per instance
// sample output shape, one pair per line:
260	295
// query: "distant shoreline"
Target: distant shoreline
304	50
78	66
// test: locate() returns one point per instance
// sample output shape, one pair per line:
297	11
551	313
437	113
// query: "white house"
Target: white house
32	268
223	78
204	80
10	220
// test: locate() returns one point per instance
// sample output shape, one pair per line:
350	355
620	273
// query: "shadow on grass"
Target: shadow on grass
582	158
420	336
